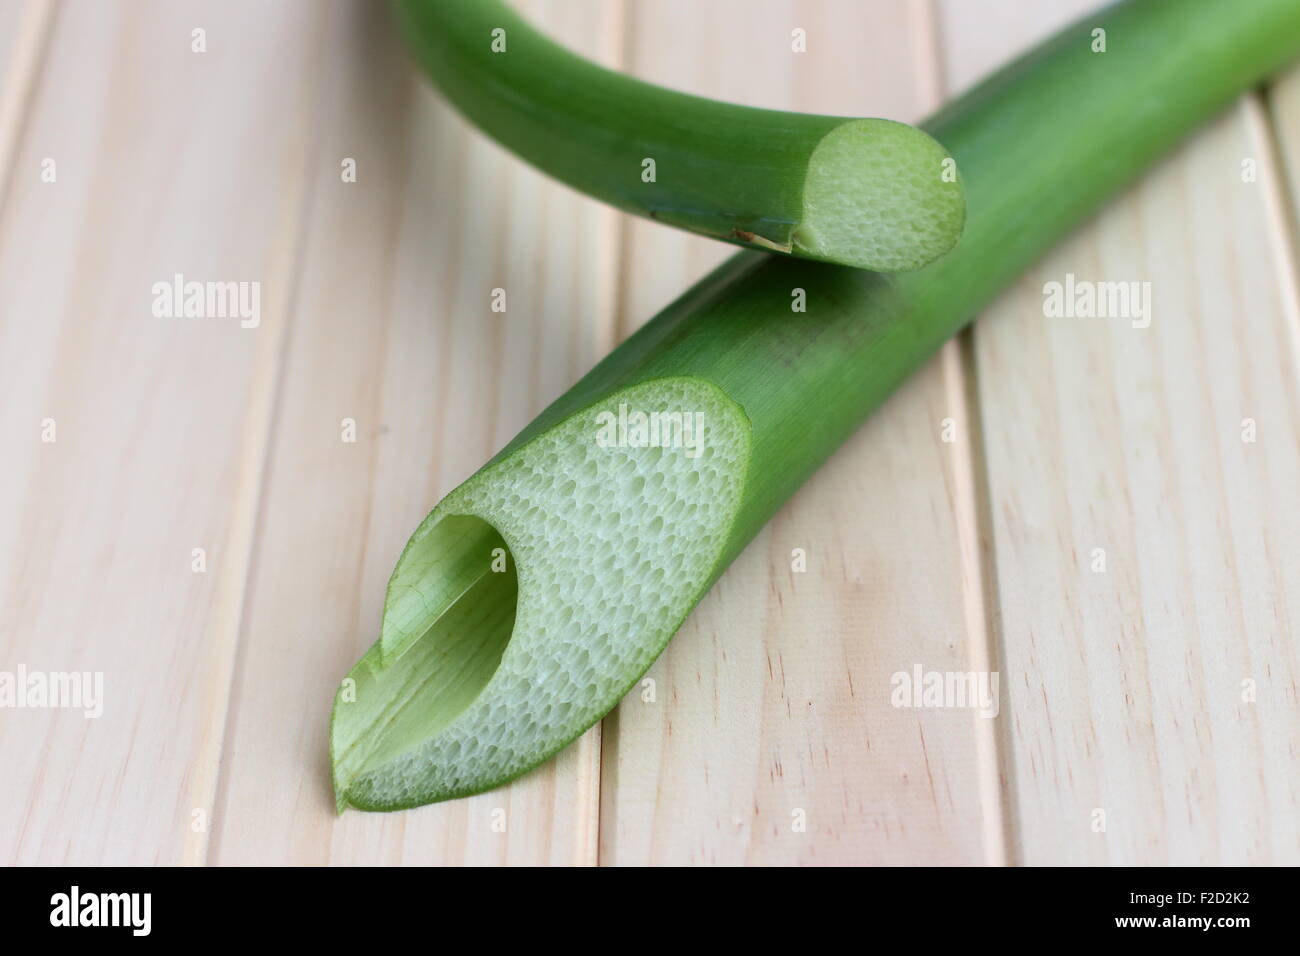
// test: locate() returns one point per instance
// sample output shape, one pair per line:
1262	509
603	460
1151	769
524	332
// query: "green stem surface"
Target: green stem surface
869	193
613	546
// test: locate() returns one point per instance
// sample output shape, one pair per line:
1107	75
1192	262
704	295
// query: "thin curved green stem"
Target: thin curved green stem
869	193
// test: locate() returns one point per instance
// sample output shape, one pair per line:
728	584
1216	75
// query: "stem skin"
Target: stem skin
1041	144
732	172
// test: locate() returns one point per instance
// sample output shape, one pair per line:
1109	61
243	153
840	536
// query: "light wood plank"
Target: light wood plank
1126	687
1283	117
24	38
161	168
775	697
1122	690
393	329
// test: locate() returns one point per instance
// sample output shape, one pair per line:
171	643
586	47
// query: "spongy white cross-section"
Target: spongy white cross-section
876	196
613	546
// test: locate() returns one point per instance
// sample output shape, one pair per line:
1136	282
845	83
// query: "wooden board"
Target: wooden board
772	738
299	454
392	329
160	424
1144	555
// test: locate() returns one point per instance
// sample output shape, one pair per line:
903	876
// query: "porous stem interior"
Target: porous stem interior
613	528
879	195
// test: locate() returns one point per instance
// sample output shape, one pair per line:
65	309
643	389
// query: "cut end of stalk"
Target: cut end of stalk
880	195
537	593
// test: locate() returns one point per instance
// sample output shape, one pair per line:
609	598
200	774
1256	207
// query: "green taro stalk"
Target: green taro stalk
869	193
481	674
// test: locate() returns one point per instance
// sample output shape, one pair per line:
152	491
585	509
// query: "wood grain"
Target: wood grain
1132	738
772	706
392	328
159	422
24	39
1162	690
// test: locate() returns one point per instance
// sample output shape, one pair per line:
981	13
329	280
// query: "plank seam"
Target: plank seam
18	92
620	235
973	519
266	423
987	646
1282	206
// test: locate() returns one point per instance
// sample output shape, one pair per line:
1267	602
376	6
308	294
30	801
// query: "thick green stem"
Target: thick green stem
614	545
863	192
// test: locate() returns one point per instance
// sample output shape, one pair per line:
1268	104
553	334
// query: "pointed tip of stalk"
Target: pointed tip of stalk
613	522
880	195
